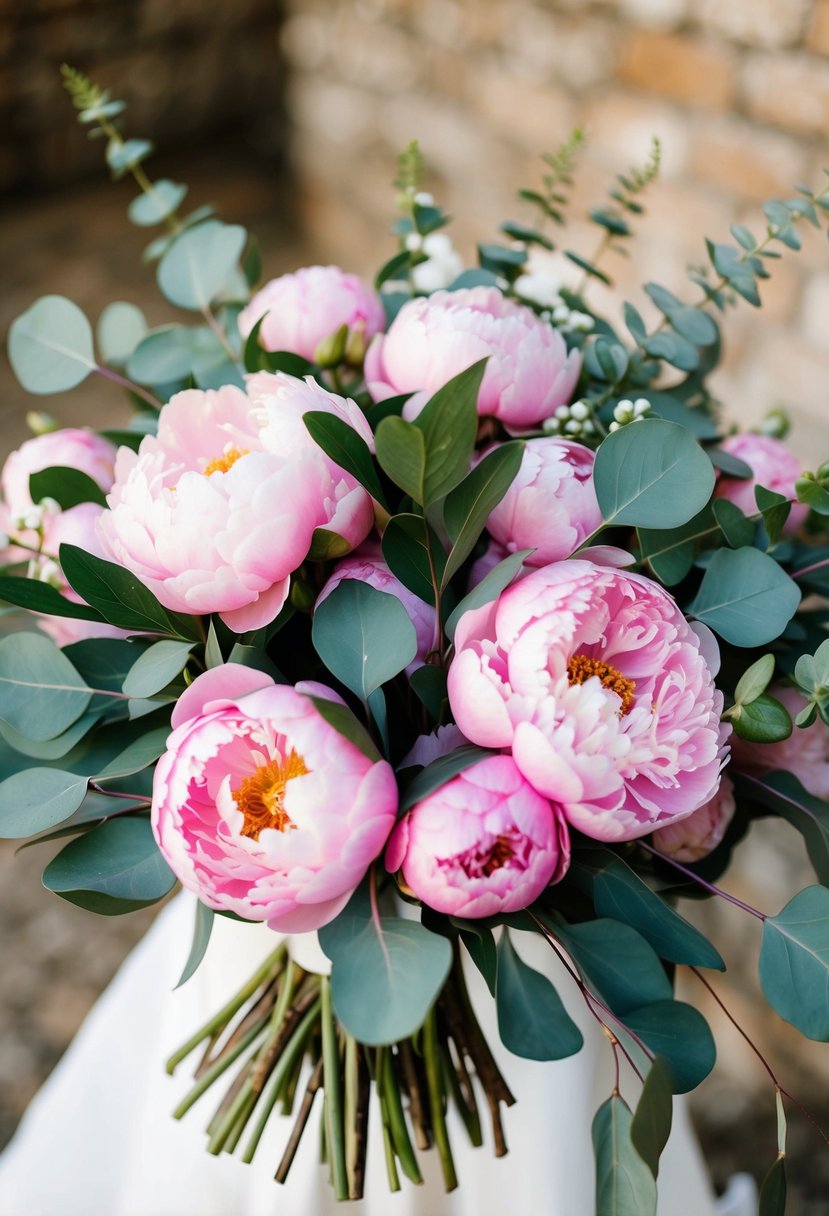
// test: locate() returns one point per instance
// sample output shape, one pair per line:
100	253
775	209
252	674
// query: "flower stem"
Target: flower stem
143	393
332	1093
397	1120
270	1095
709	886
431	1053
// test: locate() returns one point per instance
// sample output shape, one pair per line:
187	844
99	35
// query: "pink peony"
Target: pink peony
72	447
261	807
602	690
551	506
367	566
696	836
483	844
304	308
77	526
279	402
432	339
774	467
805	753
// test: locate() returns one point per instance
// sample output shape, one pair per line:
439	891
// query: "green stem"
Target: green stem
431	1054
397	1120
388	1145
332	1093
215	1071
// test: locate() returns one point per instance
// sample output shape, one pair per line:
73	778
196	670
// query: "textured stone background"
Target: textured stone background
739	94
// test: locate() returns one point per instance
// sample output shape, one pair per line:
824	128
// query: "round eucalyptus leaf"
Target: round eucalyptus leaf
50	346
153	207
652	474
120	328
193	270
38	798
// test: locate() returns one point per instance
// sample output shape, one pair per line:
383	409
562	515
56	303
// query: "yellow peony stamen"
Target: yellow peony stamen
581	668
225	462
261	797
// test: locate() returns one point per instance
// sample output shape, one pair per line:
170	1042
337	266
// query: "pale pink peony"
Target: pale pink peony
602	690
304	308
71	447
696	836
77	526
551	506
368	566
805	753
774	467
279	402
483	844
432	339
261	807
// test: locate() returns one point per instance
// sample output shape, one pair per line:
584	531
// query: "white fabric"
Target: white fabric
98	1139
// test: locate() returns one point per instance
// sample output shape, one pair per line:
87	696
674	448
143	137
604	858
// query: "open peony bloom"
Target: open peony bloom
696	836
805	753
551	506
773	466
215	512
433	338
368	566
603	692
304	308
482	844
261	807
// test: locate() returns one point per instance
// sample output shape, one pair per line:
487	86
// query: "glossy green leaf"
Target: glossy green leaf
386	973
775	508
113	869
678	1033
480	945
489	588
156	667
50	346
327	546
343	720
745	597
41	692
436	774
41	597
68	487
671	555
625	1185
532	1020
773	1190
193	270
754	680
651	474
763	720
737	529
201	939
414	554
674	349
812	492
428	683
401	453
36	799
348	449
154	207
469	505
617	961
364	636
653	1116
794	962
449	425
729	464
121	327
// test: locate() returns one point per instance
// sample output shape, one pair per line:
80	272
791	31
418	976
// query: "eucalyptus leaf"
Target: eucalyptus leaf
364	636
489	588
651	474
201	939
625	1185
41	693
436	774
762	720
532	1020
157	204
343	720
735	526
165	355
745	597
470	504
428	683
754	680
653	1116
680	1034
137	755
784	794
193	270
121	326
794	962
115	868
50	346
156	667
775	508
36	799
617	962
773	1189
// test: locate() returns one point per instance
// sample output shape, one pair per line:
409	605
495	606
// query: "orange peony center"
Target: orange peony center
581	668
261	797
225	462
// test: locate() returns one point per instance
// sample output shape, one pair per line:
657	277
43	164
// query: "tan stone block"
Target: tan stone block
817	39
679	67
657	14
620	127
814	312
750	163
790	91
537	118
766	23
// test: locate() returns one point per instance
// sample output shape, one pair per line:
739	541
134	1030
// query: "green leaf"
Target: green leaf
794	962
408	542
436	774
728	262
327	546
364	636
673	409
671	556
41	597
754	680
729	464
213	656
532	1020
810	491
119	596
652	1119
156	667
50	346
742	235
193	270
41	692
121	326
617	962
624	1184
113	869
678	1033
470	504
449	425
162	200
652	474
401	452
480	945
745	597
137	755
674	349
68	487
775	508
737	529
762	720
201	938
345	447
164	356
428	683
52	749
386	973
122	156
343	720
36	799
773	1190
489	588
620	894
586	266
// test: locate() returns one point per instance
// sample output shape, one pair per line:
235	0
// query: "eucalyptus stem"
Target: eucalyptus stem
332	1093
708	886
130	385
431	1053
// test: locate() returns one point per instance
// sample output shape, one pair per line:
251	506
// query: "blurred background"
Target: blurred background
288	115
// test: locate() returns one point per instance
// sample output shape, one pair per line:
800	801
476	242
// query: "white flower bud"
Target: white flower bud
32	517
551	426
424	199
640	407
623	412
614	426
573	427
50	506
562	412
581	321
589	427
580	410
49	572
413	242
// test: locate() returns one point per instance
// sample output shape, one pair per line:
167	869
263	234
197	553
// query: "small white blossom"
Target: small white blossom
580	410
624	412
49	572
581	322
443	263
424	199
573	427
414	242
614	426
31	518
640	407
562	413
551	426
539	288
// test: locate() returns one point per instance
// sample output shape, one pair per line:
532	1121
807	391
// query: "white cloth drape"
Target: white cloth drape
98	1140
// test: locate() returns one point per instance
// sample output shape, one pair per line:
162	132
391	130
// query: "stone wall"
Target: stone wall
738	92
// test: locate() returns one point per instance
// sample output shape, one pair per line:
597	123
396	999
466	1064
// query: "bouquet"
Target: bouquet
423	616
